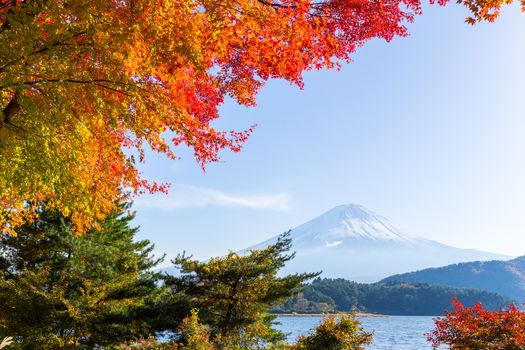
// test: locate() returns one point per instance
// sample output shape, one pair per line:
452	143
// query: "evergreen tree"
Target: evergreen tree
59	291
234	293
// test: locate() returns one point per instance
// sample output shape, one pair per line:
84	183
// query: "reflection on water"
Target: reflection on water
390	332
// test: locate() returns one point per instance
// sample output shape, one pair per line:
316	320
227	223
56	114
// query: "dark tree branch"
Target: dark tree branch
12	108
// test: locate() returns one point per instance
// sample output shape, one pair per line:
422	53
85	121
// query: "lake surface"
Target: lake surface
390	332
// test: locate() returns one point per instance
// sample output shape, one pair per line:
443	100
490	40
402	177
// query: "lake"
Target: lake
390	332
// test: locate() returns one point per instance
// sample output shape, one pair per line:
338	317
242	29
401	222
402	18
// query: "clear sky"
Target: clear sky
428	131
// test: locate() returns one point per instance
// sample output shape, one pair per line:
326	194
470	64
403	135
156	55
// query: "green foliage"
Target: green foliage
234	293
149	344
307	304
66	292
341	332
325	295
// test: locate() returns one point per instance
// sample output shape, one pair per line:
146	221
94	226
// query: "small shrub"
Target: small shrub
195	335
342	332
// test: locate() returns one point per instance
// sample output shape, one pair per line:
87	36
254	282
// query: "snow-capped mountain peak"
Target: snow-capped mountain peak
350	221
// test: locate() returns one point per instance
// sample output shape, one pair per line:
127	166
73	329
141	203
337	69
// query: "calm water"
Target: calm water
390	332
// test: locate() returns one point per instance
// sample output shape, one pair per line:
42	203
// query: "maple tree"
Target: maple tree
486	10
475	328
86	87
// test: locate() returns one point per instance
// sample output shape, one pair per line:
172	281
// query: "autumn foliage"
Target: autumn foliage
88	86
486	10
342	332
475	328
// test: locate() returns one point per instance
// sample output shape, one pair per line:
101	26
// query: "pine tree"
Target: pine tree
234	293
59	291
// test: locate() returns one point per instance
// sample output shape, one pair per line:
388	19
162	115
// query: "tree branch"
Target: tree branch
12	108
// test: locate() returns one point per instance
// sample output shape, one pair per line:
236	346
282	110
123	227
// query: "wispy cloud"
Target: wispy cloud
186	196
333	244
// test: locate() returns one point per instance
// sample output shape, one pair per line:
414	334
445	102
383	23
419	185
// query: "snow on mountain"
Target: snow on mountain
353	242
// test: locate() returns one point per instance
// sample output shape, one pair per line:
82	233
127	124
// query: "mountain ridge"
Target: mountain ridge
503	277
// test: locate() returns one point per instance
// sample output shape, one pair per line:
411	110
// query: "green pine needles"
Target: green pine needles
66	292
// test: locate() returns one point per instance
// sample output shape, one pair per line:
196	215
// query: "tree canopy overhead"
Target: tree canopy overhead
82	81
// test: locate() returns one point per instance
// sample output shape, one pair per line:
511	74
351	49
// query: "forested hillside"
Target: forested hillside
329	295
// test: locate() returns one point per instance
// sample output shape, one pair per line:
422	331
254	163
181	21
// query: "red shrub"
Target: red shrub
474	328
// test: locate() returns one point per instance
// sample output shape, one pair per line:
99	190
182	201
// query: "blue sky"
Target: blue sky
428	131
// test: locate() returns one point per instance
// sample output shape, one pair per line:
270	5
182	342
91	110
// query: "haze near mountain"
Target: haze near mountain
355	243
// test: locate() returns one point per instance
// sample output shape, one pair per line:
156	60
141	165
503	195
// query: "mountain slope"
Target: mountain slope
355	243
503	277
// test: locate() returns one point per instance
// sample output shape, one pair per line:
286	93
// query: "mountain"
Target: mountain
330	295
355	243
503	277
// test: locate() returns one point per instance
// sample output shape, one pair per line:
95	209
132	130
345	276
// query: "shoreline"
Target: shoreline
357	314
